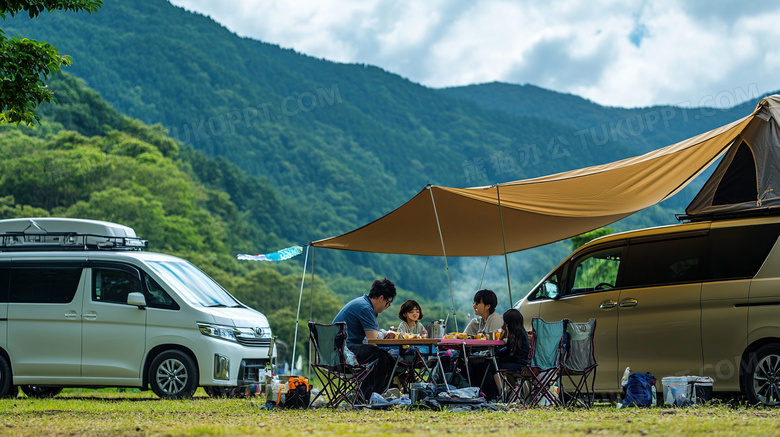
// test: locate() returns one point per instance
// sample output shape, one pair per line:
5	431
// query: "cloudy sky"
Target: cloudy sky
684	52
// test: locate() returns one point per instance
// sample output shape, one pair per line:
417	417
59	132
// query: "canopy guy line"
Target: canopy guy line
484	269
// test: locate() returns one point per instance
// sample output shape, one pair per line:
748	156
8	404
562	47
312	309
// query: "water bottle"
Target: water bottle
267	375
626	374
274	390
653	400
284	387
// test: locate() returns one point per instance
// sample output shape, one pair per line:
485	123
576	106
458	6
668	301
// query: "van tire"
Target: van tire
7	389
762	377
12	393
173	375
36	391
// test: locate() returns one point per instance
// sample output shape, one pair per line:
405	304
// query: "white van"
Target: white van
82	304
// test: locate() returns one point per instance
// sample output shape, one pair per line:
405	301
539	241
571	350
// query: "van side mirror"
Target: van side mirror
550	289
137	299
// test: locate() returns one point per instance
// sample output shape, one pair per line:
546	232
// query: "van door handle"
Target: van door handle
607	304
626	303
90	315
71	315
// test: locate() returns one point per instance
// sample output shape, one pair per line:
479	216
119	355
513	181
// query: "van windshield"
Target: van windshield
192	284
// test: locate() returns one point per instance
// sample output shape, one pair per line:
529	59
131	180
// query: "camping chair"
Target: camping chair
340	380
512	389
545	363
416	366
411	364
579	365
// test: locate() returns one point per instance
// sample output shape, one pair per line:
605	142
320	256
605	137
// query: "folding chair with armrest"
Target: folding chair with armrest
579	365
534	382
340	380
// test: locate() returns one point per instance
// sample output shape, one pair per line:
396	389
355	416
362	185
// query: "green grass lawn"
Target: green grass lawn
109	412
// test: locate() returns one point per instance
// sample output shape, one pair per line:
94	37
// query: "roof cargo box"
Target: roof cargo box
49	233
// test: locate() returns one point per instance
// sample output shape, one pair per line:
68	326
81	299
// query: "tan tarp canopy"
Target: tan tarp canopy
505	218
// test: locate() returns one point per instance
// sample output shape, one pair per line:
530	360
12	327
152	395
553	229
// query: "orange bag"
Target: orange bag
298	393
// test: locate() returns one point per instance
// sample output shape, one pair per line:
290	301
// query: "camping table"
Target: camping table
400	343
468	346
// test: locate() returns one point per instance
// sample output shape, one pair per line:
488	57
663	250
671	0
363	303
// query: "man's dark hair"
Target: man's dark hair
382	287
487	297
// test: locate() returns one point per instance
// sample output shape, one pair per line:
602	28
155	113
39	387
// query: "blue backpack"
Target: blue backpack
640	390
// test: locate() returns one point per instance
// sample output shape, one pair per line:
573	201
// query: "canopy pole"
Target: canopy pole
311	293
444	252
311	306
503	240
298	314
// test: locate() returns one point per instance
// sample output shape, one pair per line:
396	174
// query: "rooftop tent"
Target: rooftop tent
747	179
513	216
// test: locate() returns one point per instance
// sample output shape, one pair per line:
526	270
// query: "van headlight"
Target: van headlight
218	331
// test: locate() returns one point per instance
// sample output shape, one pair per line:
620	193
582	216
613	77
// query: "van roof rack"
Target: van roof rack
42	234
727	215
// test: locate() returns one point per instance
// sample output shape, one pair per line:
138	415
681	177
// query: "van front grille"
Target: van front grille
253	341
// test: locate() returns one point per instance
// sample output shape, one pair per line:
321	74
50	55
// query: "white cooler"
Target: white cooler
686	390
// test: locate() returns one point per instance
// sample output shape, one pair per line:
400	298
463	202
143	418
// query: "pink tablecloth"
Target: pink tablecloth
468	342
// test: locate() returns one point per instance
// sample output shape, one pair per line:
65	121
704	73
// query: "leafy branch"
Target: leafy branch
26	64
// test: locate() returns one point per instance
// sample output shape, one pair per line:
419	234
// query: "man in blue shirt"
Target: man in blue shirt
360	317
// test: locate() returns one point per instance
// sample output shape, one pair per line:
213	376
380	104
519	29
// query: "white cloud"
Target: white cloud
652	53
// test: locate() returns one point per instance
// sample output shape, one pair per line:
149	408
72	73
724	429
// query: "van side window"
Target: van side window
671	261
112	285
157	297
596	271
738	253
43	284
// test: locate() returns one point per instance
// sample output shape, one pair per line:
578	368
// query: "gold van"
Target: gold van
700	298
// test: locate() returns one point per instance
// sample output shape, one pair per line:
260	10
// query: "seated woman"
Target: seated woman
512	356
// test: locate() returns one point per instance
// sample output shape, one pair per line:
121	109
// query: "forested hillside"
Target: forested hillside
343	144
86	160
286	148
640	129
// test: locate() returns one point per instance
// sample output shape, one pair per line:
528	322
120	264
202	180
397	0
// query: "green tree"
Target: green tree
580	240
26	63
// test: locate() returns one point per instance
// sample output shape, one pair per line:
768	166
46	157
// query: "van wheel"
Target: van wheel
7	389
762	378
36	391
173	375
